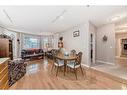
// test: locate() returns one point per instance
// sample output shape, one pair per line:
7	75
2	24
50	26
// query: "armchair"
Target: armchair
17	69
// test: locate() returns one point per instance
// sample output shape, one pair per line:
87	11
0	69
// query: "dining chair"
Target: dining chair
76	64
56	62
73	52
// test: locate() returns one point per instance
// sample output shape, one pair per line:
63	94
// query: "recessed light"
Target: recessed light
61	17
87	5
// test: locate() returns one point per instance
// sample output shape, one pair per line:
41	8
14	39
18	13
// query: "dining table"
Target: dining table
66	58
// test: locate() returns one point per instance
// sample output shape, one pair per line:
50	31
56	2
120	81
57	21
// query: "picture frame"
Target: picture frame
76	33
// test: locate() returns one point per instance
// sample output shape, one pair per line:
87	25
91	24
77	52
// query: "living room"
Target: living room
29	36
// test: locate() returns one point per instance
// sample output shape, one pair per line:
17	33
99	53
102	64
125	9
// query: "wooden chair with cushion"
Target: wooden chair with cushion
76	64
73	52
56	62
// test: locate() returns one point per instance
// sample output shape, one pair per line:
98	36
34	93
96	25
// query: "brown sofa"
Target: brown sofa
32	54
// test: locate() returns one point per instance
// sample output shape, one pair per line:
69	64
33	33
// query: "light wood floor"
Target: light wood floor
39	76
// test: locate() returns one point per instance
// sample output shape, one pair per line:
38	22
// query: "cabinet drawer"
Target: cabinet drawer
4	79
3	72
4	86
3	65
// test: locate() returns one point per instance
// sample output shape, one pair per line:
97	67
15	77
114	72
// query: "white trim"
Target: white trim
117	56
84	65
119	48
105	62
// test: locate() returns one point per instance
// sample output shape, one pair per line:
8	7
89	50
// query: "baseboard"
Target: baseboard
99	61
84	65
117	56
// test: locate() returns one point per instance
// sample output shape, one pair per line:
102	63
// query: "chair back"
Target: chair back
54	52
79	58
73	52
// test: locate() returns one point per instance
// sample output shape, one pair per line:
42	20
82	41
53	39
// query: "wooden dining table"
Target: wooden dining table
65	58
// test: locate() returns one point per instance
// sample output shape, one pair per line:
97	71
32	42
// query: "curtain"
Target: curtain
31	41
47	42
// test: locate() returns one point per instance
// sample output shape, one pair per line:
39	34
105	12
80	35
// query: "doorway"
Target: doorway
92	48
121	49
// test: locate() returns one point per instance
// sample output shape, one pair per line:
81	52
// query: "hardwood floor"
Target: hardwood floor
39	76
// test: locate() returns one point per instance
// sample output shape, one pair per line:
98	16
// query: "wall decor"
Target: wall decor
76	33
18	41
61	38
105	38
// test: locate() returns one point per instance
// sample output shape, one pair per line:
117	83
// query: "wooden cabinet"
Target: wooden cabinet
4	73
6	49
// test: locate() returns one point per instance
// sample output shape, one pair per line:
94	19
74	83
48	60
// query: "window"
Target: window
31	42
34	41
45	41
48	42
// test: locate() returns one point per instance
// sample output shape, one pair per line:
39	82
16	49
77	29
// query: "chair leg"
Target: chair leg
52	67
71	70
57	71
64	69
81	70
75	71
85	74
67	69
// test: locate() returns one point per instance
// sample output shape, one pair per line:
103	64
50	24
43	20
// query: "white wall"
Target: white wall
106	50
80	43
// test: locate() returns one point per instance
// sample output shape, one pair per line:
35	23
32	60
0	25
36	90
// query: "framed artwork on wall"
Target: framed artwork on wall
76	33
105	38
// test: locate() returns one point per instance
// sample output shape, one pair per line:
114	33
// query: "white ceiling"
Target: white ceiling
39	19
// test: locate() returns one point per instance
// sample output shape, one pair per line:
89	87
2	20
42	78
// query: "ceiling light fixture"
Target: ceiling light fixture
117	17
87	5
123	25
123	31
59	16
5	12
